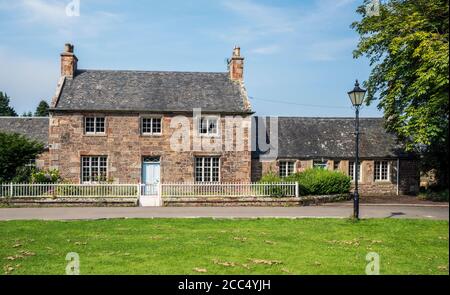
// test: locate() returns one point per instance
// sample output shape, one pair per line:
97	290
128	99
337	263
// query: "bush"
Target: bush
435	195
270	177
321	182
16	151
274	191
45	176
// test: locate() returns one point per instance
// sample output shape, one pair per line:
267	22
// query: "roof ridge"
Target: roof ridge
329	118
147	71
20	117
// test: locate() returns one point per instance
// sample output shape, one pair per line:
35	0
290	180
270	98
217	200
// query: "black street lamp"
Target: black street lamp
357	99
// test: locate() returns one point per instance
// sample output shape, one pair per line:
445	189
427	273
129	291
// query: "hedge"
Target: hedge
313	182
321	182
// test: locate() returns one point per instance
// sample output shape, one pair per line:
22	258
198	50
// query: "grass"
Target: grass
211	246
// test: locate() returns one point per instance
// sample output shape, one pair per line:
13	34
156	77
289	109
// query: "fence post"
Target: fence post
138	192
11	190
160	193
296	189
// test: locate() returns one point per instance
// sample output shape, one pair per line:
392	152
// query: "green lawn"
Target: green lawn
197	246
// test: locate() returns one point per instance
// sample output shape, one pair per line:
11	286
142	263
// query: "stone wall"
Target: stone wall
125	147
408	177
43	160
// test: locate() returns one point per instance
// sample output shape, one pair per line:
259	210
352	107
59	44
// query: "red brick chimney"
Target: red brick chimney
68	61
236	65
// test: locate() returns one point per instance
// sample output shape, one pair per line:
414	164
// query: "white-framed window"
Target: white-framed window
94	125
94	169
207	169
352	170
151	125
208	125
286	168
320	164
381	171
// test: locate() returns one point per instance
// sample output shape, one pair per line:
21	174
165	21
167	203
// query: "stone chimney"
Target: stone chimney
68	61
236	65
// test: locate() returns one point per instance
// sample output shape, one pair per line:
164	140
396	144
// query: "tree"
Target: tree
16	151
5	109
407	45
27	114
42	109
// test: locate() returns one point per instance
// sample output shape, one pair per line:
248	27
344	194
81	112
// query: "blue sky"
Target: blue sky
298	54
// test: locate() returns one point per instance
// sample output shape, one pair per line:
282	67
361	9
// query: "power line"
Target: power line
298	104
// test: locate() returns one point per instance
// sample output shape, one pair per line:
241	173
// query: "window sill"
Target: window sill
383	181
95	134
152	135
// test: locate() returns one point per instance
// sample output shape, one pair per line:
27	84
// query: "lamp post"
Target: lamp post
357	99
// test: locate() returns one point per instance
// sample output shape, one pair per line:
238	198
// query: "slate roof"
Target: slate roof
152	91
33	127
316	138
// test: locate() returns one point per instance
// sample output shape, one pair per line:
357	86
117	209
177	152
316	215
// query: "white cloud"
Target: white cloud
266	50
52	14
259	20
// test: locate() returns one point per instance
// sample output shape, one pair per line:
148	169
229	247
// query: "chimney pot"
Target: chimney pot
68	61
236	65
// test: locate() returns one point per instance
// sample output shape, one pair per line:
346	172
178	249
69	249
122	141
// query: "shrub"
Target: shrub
45	176
274	191
16	151
270	177
321	182
435	195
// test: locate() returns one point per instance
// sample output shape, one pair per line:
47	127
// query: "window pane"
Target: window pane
146	125
336	165
212	128
156	125
89	124
198	169
215	169
100	125
290	168
203	126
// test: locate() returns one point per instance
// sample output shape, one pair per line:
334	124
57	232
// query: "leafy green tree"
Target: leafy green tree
16	151
406	42
5	109
42	109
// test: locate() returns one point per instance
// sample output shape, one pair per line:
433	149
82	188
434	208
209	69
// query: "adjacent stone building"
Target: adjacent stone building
329	143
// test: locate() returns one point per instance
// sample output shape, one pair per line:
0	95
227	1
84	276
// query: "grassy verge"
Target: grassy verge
196	246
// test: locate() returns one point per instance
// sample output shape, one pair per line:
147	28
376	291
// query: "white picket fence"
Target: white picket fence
173	190
38	190
164	190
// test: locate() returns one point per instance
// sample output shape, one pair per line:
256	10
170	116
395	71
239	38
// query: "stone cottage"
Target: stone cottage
153	126
329	143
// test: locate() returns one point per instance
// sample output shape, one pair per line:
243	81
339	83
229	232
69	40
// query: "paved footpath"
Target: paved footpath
341	210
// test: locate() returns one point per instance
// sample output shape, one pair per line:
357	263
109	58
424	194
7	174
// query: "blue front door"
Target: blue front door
150	175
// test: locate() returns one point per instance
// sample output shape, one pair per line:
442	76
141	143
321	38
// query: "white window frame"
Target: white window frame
208	119
141	124
95	132
388	172
323	165
90	168
286	163
203	169
353	177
